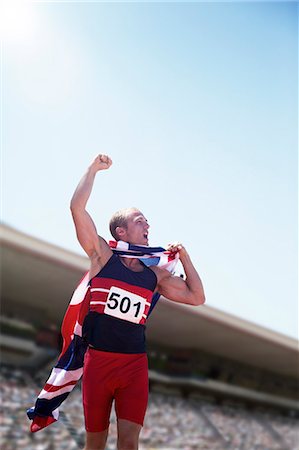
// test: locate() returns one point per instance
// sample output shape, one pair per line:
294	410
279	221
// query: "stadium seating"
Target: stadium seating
171	423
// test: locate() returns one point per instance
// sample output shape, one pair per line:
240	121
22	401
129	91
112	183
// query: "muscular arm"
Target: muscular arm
189	291
85	227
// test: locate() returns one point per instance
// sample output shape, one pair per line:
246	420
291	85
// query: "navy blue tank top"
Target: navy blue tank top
119	306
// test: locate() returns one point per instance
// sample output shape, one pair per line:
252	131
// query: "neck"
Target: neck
131	263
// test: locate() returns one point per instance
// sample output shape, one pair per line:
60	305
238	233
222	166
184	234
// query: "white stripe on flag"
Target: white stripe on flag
78	329
55	413
49	395
79	294
62	376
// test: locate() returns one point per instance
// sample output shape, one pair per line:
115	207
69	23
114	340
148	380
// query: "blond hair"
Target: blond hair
120	219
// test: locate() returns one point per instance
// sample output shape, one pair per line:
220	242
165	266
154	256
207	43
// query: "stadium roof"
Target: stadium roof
42	276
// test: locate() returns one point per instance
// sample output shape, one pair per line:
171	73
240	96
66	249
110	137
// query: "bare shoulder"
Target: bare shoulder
104	246
99	259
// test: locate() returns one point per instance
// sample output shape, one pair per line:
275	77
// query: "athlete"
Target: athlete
115	365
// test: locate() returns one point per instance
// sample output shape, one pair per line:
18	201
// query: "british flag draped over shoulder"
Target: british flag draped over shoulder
69	368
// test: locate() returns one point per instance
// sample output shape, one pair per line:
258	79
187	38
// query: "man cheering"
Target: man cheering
121	289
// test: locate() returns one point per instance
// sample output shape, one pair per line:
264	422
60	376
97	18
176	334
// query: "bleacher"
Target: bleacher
171	423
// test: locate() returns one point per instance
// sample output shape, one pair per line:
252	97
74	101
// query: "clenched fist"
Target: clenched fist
177	247
102	162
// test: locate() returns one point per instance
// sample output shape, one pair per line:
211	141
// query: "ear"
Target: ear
120	231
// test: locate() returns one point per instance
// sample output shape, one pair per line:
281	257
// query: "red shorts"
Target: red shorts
119	376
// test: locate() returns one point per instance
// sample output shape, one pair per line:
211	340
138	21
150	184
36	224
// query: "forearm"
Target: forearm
193	280
85	228
83	190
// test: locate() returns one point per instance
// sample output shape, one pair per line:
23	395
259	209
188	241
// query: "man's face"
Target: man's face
136	231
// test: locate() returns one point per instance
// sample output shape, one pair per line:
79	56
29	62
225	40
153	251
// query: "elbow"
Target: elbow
75	207
198	299
73	210
72	206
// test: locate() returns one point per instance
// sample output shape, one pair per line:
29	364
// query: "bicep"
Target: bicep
174	288
86	232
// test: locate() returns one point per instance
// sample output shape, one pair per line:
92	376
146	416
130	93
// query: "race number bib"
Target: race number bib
125	305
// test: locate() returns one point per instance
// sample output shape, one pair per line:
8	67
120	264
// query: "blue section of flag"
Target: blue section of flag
73	358
155	298
145	250
44	407
150	261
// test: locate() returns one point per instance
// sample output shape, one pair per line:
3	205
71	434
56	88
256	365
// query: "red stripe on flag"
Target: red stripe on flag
39	423
51	388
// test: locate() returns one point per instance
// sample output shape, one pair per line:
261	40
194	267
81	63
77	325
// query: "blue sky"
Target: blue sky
196	103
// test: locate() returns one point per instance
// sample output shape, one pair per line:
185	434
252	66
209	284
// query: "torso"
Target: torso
98	262
120	302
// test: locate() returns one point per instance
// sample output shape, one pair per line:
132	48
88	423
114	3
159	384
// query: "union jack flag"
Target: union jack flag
69	368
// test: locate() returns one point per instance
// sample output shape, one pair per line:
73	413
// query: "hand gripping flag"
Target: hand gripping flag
69	368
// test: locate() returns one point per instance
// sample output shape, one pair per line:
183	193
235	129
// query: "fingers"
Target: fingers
175	247
104	158
103	161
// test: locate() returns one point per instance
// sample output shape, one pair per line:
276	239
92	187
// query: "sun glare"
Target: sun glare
17	20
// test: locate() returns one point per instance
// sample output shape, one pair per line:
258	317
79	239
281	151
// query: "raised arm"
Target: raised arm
190	290
94	246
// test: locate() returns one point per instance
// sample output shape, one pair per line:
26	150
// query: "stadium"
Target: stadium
216	380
